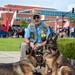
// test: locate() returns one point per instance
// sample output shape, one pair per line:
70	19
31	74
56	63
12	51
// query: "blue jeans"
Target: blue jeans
72	34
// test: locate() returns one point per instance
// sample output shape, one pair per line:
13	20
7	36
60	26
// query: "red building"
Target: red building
15	14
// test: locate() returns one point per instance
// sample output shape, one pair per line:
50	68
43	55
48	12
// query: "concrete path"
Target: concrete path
9	57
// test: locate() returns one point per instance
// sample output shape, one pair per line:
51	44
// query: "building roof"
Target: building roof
28	7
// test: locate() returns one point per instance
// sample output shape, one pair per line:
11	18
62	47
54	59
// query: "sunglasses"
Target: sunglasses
36	16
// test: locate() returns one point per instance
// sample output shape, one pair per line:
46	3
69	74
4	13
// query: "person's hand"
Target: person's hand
38	45
33	46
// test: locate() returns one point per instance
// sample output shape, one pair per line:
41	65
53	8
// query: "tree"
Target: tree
72	20
23	24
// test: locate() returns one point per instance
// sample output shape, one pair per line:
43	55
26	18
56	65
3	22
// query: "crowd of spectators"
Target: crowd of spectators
13	32
17	32
66	32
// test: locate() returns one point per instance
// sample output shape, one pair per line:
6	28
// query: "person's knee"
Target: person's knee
23	44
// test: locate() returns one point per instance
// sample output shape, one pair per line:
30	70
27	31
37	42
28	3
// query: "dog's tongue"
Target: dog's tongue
53	52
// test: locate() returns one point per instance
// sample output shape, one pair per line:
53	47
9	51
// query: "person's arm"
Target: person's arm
43	43
28	41
40	44
27	36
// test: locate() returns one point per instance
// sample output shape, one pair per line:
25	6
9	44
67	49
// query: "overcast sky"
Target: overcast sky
57	4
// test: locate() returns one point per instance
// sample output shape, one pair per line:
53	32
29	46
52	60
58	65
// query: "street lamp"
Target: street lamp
73	10
63	15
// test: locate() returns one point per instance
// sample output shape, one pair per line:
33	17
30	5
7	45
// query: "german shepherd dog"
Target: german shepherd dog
55	61
24	67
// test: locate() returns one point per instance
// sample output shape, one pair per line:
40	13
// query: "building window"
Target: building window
56	13
17	19
11	6
25	11
27	19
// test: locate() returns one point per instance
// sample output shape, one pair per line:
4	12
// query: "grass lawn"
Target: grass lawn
13	44
10	44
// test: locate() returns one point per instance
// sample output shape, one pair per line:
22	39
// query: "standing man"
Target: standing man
35	35
72	28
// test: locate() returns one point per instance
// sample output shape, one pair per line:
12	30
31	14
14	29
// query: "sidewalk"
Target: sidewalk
9	57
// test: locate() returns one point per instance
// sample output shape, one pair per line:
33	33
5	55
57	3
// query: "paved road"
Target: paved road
9	57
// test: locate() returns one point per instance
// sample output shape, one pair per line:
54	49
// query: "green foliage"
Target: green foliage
23	24
67	47
72	20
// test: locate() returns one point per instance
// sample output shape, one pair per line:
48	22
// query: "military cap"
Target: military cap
35	12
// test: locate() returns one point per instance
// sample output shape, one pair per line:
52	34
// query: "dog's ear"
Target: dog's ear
56	37
50	36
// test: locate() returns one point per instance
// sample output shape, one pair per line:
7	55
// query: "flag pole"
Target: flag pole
56	24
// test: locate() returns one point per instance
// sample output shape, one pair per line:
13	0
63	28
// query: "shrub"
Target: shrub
67	47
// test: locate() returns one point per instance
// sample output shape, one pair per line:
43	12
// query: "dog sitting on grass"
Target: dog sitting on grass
55	61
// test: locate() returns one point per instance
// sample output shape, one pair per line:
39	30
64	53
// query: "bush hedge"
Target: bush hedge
67	47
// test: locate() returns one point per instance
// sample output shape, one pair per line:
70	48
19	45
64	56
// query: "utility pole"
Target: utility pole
62	20
56	23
